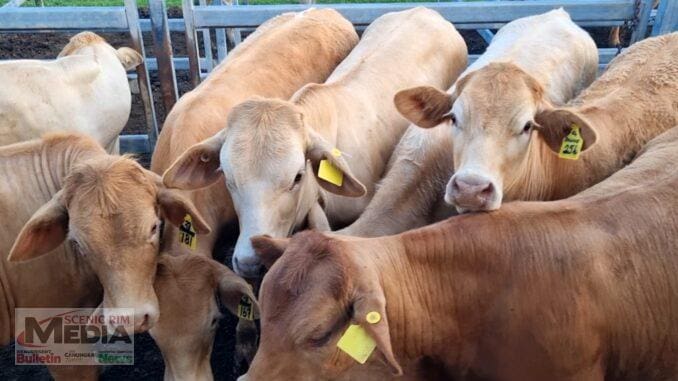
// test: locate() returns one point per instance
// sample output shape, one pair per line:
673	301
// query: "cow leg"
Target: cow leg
74	372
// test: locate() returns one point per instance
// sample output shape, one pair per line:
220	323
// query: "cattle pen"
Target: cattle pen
183	41
198	19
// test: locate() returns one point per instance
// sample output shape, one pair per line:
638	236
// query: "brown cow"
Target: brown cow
191	289
281	56
633	101
108	209
580	289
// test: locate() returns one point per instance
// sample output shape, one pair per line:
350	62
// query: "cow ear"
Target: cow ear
174	206
269	249
424	106
198	167
556	124
44	231
369	310
232	289
129	58
318	150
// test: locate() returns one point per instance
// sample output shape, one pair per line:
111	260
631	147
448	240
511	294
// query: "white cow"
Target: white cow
84	90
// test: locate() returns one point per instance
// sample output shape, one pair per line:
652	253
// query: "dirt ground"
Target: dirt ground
148	360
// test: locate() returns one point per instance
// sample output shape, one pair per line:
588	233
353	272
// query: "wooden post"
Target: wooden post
132	14
667	18
191	43
163	52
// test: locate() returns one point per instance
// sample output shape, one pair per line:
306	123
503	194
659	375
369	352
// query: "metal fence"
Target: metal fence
230	20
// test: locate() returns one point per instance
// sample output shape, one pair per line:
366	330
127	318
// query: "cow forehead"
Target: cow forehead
262	141
109	186
312	269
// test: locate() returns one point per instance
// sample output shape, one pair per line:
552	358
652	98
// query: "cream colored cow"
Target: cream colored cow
271	152
282	55
84	90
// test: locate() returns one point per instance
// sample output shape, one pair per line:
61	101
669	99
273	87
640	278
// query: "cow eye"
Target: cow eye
453	118
322	340
297	179
527	128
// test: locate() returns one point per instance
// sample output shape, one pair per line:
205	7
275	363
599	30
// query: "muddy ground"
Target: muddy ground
148	360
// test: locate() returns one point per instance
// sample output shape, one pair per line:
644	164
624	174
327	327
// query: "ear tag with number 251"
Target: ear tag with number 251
572	144
187	233
329	172
356	342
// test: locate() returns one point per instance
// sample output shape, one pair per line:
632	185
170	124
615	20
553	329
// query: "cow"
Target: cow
84	90
281	56
272	154
533	63
633	101
81	228
194	292
577	289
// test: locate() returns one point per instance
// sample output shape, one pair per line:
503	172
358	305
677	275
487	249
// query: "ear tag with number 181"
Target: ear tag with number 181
187	233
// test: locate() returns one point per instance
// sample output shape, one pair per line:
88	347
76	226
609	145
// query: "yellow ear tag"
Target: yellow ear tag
245	309
329	172
373	317
572	144
187	233
357	343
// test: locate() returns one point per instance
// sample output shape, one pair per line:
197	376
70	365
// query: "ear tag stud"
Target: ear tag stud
187	233
572	144
245	310
357	343
329	172
373	317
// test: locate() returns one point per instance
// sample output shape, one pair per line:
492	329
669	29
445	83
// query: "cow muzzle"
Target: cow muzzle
472	193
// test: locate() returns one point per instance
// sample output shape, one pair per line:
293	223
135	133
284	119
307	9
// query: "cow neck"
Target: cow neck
438	282
50	167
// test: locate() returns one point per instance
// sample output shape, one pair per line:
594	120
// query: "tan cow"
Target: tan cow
108	211
281	56
85	90
532	64
633	101
271	152
582	289
191	290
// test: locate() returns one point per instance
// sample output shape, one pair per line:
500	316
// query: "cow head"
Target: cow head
309	298
269	158
89	42
494	115
190	290
110	212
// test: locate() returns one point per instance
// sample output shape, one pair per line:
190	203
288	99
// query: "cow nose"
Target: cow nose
145	317
247	268
470	192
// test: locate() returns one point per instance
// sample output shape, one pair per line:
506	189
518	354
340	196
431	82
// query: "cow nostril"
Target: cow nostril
488	190
455	185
